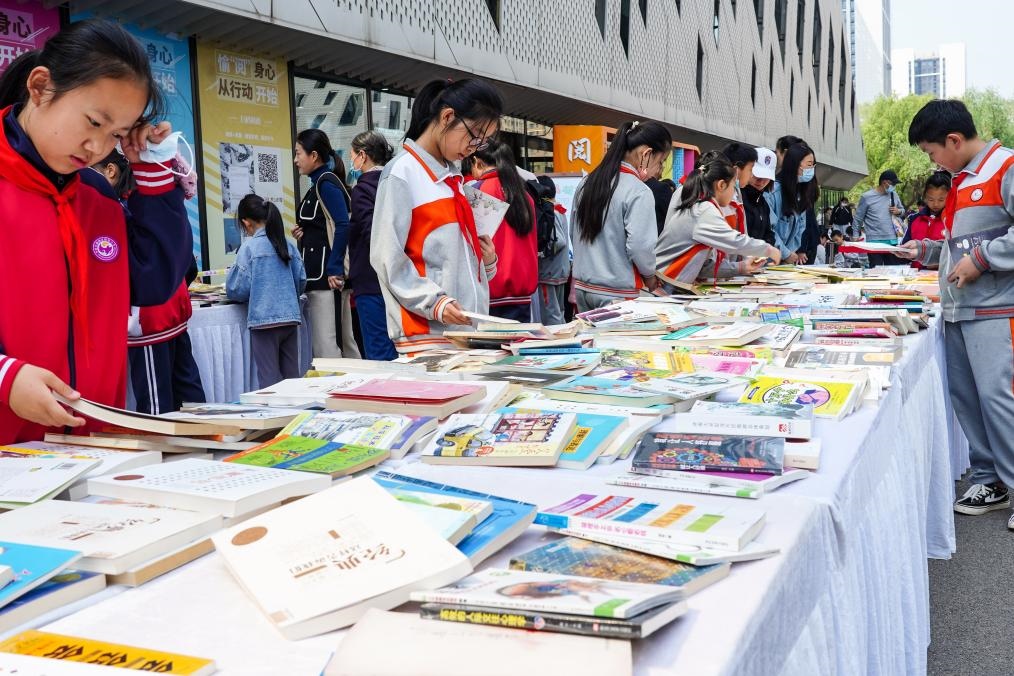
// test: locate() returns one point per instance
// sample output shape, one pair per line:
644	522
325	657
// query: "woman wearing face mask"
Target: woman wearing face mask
794	192
322	231
431	262
614	229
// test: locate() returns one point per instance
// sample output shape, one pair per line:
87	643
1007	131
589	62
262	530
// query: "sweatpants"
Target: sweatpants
520	313
164	376
589	300
331	330
553	303
980	374
275	353
373	325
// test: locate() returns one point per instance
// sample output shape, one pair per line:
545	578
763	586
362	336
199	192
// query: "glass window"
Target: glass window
391	115
338	110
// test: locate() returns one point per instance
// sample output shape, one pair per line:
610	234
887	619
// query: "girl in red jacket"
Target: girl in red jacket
63	108
927	224
516	240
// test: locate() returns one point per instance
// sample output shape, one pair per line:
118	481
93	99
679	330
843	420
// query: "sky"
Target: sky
983	25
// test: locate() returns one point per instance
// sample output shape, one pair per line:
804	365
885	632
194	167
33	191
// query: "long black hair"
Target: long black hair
592	199
374	145
797	197
259	210
316	141
124	177
499	156
471	99
81	54
699	185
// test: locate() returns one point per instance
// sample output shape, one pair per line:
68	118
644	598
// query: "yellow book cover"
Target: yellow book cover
829	399
76	649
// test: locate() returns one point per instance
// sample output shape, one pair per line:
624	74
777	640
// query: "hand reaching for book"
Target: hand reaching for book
32	398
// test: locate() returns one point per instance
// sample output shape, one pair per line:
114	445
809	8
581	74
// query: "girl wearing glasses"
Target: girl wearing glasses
614	228
431	263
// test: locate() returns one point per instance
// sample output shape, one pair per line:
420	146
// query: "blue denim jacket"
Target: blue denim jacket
788	229
269	286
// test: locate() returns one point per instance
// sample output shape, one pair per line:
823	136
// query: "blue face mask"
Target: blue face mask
352	177
890	188
807	175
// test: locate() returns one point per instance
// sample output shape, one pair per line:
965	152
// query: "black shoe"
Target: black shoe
982	498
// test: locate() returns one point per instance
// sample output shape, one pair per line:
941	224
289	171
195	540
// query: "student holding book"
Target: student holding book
268	275
516	240
976	292
613	231
431	262
65	107
698	239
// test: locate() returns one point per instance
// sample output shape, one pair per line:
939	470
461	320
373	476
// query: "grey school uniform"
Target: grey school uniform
554	272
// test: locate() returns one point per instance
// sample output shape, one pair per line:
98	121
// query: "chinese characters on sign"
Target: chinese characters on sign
247	79
579	150
24	28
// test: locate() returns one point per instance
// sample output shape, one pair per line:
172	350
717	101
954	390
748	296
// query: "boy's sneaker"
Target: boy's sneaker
982	498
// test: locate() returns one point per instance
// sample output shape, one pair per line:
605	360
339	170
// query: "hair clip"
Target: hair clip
635	123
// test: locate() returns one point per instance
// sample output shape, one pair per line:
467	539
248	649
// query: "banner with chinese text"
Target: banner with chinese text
24	26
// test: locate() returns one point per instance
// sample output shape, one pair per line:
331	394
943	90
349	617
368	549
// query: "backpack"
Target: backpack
545	219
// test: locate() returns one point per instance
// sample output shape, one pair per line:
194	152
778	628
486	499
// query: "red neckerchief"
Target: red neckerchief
628	170
24	175
559	208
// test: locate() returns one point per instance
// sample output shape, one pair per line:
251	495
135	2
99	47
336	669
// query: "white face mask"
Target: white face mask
164	152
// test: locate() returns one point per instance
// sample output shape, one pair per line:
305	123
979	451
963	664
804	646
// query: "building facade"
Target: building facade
940	73
712	70
868	25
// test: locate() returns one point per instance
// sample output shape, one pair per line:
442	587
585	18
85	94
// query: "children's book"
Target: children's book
311	455
791	420
585	558
111	538
694	451
651	364
586	515
31	566
723	335
591	390
829	399
407	397
77	649
553	593
592	435
318	564
506	439
692	385
509	519
374	430
224	488
28	479
57	592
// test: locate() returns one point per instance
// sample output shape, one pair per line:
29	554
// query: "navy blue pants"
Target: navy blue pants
373	325
521	313
164	375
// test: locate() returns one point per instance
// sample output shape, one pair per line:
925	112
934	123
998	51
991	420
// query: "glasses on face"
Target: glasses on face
475	142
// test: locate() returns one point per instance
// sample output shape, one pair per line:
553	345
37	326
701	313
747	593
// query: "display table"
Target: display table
221	344
846	595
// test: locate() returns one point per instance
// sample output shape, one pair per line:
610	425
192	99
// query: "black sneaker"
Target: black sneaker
982	498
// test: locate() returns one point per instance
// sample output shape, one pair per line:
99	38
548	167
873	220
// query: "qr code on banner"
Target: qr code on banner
267	168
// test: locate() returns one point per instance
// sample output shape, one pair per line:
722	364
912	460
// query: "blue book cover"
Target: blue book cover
591	434
508	521
32	566
56	583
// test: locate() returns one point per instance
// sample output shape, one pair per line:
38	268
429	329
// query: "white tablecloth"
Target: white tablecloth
846	595
221	344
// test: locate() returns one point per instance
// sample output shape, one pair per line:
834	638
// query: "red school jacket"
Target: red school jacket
517	275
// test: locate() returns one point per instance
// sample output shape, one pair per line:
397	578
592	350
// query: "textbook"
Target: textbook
142	421
228	489
694	451
552	593
407	397
729	528
591	390
619	548
592	435
829	399
760	420
576	556
729	484
692	385
31	566
506	439
57	592
77	649
396	433
318	564
509	519
311	455
111	538
28	479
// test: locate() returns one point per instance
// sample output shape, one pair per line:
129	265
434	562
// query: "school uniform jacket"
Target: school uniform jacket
139	264
420	251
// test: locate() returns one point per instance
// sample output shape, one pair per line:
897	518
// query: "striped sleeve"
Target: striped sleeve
9	367
152	179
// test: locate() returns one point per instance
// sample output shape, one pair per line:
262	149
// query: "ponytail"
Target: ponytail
519	214
699	185
593	198
257	209
471	99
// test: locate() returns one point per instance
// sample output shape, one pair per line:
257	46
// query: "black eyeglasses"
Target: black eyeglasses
476	142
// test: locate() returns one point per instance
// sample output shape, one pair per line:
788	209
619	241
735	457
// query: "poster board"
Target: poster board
24	26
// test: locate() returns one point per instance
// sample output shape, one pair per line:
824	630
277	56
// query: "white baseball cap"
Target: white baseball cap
765	165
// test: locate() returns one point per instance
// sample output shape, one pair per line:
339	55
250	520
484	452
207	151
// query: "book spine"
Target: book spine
756	426
703	488
589	528
557	350
682	467
514	619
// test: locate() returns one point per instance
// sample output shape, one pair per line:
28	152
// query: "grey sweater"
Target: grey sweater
873	214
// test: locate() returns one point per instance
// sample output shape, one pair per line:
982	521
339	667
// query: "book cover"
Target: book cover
644	361
829	399
375	430
306	391
410	391
564	363
510	517
591	436
109	460
692	385
585	558
550	592
311	455
710	452
60	590
77	649
480	509
28	479
317	564
588	514
31	566
821	357
766	420
603	390
451	525
525	378
737	366
501	439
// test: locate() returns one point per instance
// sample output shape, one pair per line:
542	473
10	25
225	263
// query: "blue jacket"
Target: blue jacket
269	286
788	229
334	199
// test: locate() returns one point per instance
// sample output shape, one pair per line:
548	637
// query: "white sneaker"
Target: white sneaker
982	498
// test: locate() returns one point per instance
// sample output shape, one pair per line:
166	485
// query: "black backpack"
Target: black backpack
545	219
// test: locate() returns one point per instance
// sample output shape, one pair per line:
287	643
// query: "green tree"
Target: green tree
885	123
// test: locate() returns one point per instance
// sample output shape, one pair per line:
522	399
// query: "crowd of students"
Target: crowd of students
94	206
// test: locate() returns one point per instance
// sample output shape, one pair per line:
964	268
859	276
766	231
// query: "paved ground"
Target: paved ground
970	597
